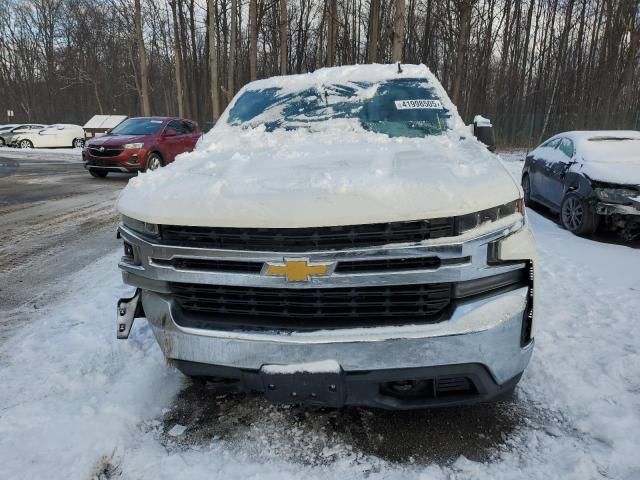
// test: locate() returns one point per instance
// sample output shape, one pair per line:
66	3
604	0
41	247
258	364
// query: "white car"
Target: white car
52	136
9	136
338	238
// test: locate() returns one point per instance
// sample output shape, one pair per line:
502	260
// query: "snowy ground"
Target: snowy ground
67	154
76	403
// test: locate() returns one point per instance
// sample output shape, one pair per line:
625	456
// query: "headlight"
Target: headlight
616	195
131	146
472	220
149	229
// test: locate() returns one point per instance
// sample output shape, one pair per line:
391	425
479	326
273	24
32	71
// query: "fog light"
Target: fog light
128	251
133	159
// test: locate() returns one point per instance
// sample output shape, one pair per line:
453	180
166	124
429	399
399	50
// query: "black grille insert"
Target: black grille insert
306	239
216	306
390	264
205	264
105	152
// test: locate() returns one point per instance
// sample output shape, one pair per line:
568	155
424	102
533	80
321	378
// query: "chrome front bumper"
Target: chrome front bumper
485	332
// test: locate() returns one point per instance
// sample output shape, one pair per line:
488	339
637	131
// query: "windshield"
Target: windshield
137	126
398	108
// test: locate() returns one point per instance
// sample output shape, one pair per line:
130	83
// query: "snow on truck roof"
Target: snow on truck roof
370	73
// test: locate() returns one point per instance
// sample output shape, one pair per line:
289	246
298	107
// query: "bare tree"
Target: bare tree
253	40
213	60
374	32
284	59
142	56
231	64
398	30
178	59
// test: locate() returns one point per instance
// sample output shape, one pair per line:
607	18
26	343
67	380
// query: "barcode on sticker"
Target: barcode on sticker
411	104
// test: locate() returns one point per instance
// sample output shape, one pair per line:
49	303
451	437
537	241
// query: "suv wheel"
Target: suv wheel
577	216
25	144
154	162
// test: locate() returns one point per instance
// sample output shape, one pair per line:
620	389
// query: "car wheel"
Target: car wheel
577	216
78	143
526	189
98	173
154	162
25	144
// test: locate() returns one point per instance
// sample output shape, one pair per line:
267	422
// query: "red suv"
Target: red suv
140	144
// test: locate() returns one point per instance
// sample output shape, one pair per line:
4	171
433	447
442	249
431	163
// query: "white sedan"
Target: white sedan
58	135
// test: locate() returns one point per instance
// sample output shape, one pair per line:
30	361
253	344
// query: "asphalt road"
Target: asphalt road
55	219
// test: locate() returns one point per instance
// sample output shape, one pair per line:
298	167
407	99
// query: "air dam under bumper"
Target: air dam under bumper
481	343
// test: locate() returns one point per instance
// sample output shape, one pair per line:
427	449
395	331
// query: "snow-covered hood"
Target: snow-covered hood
623	172
251	178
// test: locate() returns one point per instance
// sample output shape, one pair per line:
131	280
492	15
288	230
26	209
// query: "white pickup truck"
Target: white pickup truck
337	238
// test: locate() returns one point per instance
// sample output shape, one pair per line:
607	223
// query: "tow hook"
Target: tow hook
127	311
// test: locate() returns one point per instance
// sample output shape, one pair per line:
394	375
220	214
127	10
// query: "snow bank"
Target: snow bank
73	155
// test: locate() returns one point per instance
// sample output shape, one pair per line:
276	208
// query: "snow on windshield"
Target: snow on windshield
403	107
612	149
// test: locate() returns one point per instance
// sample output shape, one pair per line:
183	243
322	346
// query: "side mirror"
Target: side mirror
170	133
483	131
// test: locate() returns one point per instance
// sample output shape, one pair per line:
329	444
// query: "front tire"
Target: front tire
98	173
154	162
526	189
2	143
78	143
25	144
578	216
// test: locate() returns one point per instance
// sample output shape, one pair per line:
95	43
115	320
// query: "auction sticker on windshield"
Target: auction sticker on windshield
413	104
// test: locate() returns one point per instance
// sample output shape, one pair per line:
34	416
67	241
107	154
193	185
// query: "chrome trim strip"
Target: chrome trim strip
467	245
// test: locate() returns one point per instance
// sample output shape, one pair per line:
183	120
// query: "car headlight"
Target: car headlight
131	146
470	221
616	195
148	229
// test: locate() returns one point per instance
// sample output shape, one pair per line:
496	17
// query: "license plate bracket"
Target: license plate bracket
313	388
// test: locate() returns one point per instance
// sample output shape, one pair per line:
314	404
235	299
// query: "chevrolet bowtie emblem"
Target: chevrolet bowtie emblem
298	269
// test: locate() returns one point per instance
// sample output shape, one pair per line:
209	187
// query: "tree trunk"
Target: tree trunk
332	31
142	55
374	32
253	39
178	59
464	12
231	70
398	30
283	37
213	60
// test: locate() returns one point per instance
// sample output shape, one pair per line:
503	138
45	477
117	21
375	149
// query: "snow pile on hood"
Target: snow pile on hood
611	156
253	178
339	175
